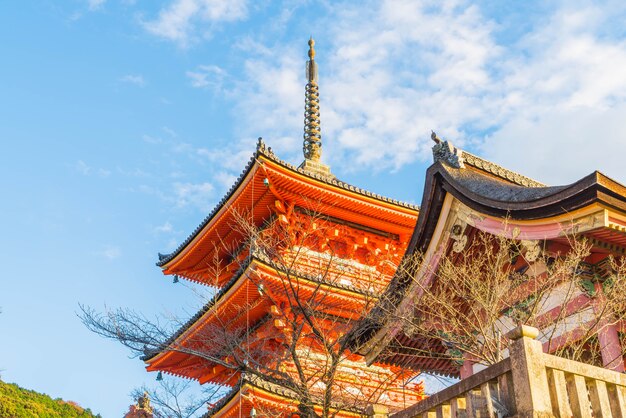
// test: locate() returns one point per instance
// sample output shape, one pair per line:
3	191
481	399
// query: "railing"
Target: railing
528	384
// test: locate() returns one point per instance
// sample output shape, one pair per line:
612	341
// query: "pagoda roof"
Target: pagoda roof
267	390
207	307
496	194
265	154
239	280
244	383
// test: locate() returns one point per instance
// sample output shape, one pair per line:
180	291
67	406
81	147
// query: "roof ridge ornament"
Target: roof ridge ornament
312	144
447	153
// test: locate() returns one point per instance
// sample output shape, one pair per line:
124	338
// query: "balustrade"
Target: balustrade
529	383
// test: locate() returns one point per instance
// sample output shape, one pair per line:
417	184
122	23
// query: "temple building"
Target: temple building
316	311
466	197
297	257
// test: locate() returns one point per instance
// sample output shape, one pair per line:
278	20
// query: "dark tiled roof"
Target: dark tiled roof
267	152
499	171
497	189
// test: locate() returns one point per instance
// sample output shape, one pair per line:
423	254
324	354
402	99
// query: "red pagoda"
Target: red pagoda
296	257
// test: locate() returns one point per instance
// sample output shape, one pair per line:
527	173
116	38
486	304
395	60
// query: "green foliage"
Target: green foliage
16	402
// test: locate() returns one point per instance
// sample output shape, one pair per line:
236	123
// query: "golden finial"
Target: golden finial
312	146
312	135
311	49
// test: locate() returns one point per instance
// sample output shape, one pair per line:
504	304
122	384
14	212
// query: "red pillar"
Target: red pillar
611	348
467	369
610	345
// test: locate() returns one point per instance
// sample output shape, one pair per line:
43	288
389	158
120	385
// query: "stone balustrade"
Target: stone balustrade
529	383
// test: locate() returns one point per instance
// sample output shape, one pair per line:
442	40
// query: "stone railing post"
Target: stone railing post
376	411
530	379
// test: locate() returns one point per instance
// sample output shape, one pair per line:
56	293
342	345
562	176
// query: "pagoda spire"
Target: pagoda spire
312	145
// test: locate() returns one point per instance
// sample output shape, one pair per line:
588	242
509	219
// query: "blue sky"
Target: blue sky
123	122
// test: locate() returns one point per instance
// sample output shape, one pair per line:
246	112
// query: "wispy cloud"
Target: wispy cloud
95	4
178	21
86	170
232	158
166	228
133	172
391	71
151	139
225	179
207	76
564	98
135	79
83	168
110	252
170	132
198	195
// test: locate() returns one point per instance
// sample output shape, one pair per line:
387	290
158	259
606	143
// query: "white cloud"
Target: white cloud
110	252
86	170
179	21
563	145
133	172
135	79
95	4
233	158
83	168
151	139
170	132
207	76
198	195
269	103
563	107
104	173
225	179
166	228
391	71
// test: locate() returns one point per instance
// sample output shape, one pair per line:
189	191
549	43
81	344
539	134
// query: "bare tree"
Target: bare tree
472	298
313	293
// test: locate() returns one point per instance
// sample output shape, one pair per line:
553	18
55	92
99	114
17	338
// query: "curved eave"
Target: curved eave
186	330
343	188
187	326
548	202
264	156
253	392
165	260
